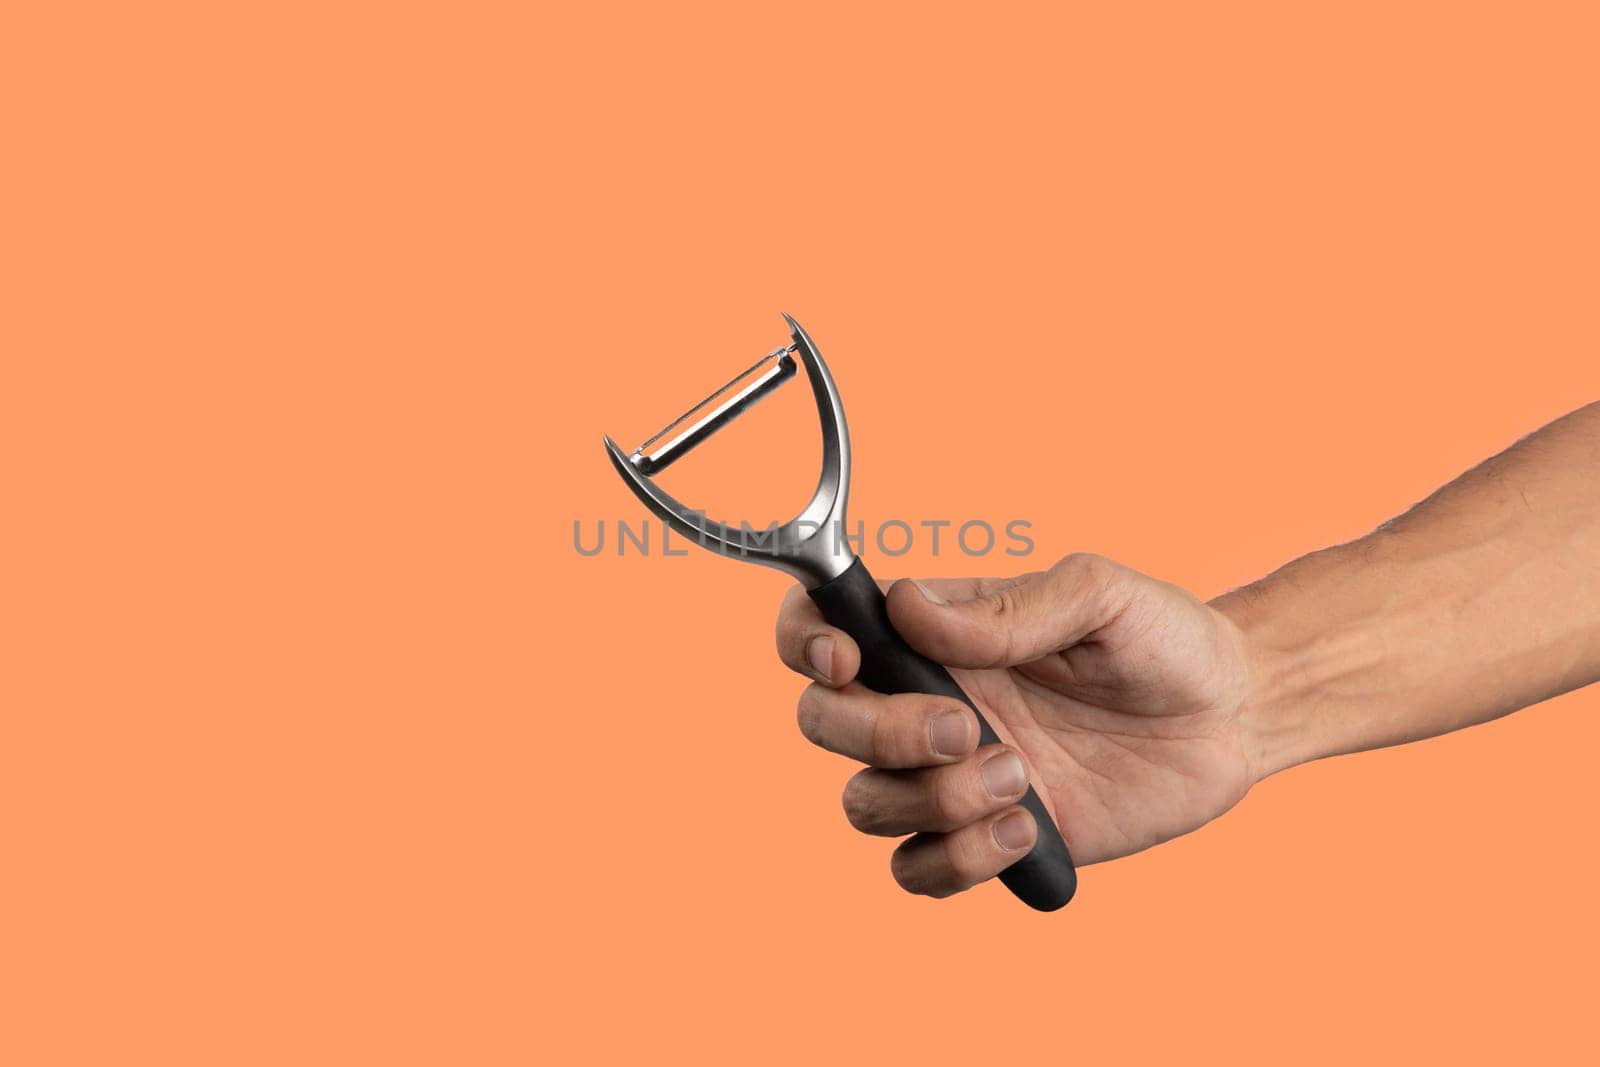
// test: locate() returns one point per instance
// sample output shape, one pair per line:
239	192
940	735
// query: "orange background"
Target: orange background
323	745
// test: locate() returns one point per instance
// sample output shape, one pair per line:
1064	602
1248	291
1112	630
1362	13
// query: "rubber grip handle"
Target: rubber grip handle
1044	878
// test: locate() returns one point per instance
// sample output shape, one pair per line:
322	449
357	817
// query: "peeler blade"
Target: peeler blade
760	378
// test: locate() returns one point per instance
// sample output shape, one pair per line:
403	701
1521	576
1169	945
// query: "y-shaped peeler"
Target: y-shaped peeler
812	547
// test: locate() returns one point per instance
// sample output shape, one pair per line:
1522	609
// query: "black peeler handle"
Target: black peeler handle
1044	878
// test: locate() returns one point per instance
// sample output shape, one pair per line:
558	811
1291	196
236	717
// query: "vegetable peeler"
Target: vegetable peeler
812	548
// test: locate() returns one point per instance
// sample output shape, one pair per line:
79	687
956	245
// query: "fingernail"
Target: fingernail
1011	832
949	732
928	594
819	653
1003	776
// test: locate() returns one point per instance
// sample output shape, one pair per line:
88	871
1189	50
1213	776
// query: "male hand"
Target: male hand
1118	696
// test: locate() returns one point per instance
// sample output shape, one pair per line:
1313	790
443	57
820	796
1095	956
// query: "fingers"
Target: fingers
811	647
938	865
905	730
1007	623
939	799
927	777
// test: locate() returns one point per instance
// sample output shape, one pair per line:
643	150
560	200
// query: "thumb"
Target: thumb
1008	623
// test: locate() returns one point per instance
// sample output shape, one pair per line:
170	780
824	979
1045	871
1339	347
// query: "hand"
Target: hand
1120	697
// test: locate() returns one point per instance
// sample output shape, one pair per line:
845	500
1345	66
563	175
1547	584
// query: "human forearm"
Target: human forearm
1481	600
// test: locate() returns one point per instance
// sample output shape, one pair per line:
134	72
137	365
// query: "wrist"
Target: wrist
1308	642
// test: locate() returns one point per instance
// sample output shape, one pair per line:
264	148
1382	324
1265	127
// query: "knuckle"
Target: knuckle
946	807
808	713
786	631
881	740
911	870
964	859
900	868
1003	602
1088	569
1081	562
1005	609
863	807
791	597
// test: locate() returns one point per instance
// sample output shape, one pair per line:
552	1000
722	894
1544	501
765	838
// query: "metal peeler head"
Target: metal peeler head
811	546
